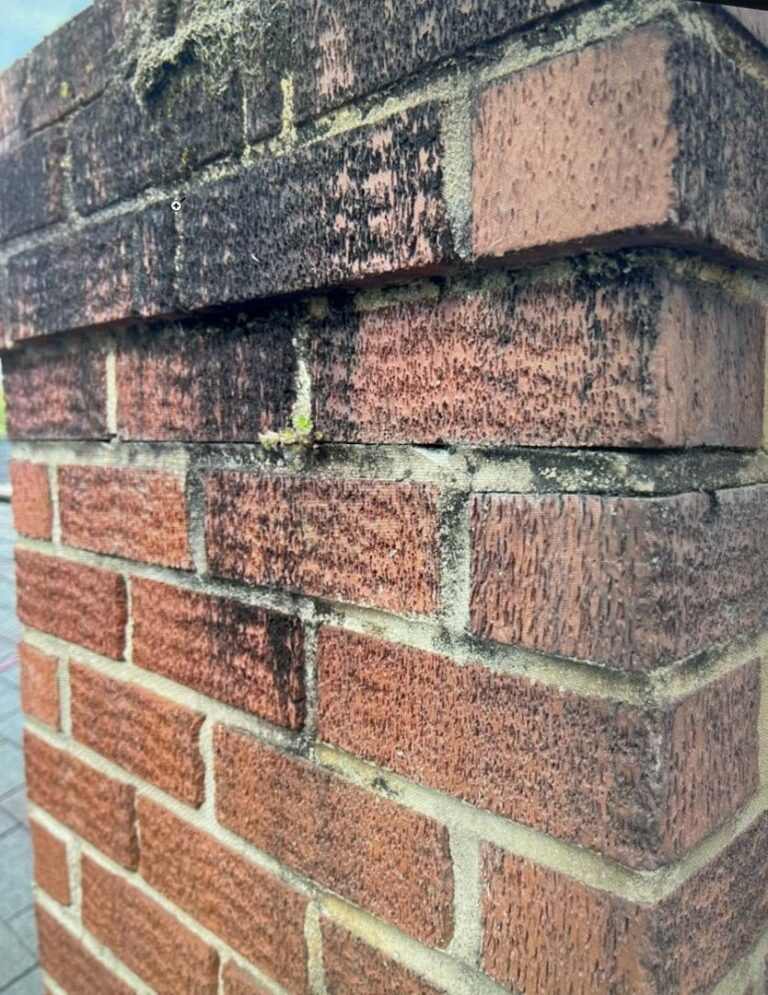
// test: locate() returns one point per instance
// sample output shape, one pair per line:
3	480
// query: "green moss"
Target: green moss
300	435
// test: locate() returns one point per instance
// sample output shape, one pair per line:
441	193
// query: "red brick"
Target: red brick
148	735
391	861
546	934
56	394
552	759
11	98
257	915
83	605
626	357
33	171
50	852
364	541
620	144
39	685
630	582
225	384
248	657
31	495
95	806
134	513
68	962
146	938
351	967
237	982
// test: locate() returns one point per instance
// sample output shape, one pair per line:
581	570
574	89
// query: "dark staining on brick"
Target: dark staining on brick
32	182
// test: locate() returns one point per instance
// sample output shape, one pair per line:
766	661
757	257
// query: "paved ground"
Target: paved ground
18	957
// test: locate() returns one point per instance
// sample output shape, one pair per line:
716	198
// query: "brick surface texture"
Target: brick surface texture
386	388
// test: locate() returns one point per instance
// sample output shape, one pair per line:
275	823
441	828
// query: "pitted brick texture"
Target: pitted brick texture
50	853
32	183
70	964
146	734
83	605
626	357
11	97
351	967
248	657
39	685
624	141
145	937
31	499
137	514
633	583
369	542
94	806
640	785
207	384
256	914
386	858
237	982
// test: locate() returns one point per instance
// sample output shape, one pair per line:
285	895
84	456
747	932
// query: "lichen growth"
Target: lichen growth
300	435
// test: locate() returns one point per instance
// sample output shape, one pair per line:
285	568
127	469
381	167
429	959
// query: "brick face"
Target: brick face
682	572
32	510
236	982
148	940
247	657
83	605
33	172
386	858
39	685
368	542
257	915
627	357
94	806
132	513
146	734
50	853
70	964
353	968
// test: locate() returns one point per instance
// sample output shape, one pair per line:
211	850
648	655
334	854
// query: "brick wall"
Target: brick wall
469	696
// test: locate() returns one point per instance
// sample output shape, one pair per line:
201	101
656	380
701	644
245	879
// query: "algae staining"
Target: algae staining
65	90
301	435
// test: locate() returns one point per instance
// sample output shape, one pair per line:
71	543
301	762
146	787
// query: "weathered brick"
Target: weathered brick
367	203
257	915
68	962
39	685
639	785
248	657
364	541
222	384
94	806
146	938
54	393
81	604
31	185
630	582
350	48
546	934
751	18
11	97
147	735
50	852
139	514
237	982
391	861
352	967
31	499
109	271
627	356
674	154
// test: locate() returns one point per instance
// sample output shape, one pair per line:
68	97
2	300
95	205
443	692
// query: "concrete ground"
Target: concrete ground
19	974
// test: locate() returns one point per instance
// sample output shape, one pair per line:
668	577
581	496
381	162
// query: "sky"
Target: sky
23	23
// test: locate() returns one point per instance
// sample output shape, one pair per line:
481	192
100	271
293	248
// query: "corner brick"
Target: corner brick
146	734
367	203
682	572
351	967
68	962
754	20
547	934
559	760
237	982
145	937
222	384
389	860
33	176
31	499
81	604
53	393
248	657
369	542
50	853
257	915
12	130
138	514
674	148
94	806
629	356
39	685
